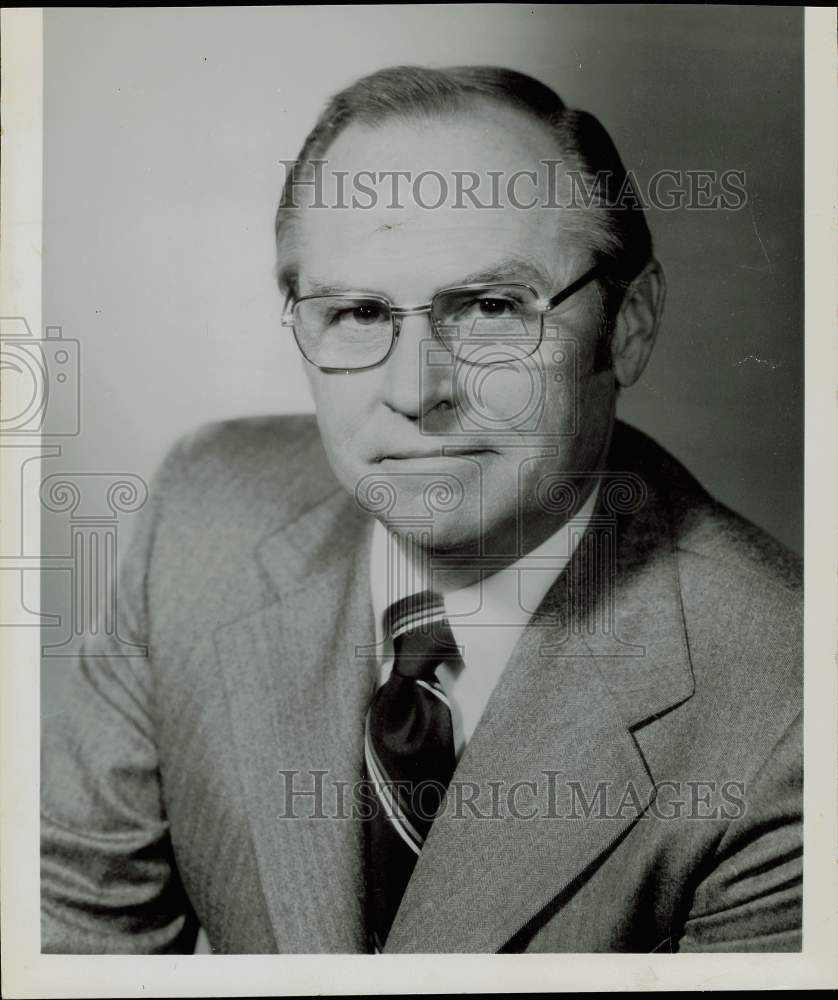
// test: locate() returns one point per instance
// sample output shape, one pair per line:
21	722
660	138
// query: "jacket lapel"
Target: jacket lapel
298	683
593	663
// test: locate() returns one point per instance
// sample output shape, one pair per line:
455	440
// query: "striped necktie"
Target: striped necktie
409	753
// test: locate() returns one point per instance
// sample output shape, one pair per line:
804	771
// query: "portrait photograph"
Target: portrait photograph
419	489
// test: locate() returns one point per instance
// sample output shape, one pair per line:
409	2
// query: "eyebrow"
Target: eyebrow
508	269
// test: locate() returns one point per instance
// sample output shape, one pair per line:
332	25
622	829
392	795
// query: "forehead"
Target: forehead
398	217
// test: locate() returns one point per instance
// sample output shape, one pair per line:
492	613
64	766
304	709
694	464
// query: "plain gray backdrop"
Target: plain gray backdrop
163	135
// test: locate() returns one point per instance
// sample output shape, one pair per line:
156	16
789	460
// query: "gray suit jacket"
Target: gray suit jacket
653	719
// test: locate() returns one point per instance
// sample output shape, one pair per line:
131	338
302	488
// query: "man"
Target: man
469	666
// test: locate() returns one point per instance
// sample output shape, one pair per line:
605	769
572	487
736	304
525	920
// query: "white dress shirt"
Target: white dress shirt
486	618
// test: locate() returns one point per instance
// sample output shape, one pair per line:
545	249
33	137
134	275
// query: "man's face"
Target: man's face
423	438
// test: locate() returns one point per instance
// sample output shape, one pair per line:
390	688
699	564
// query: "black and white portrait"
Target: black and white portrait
417	445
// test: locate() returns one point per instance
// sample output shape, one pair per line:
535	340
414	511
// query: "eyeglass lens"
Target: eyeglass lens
485	325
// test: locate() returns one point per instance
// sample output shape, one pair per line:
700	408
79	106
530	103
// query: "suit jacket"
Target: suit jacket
649	722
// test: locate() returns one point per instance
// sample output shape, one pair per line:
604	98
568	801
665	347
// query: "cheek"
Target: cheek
342	406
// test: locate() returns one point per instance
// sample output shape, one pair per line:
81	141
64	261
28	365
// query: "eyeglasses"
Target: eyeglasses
481	324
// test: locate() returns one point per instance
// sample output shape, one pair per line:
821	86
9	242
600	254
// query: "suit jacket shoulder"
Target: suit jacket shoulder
702	526
218	494
273	465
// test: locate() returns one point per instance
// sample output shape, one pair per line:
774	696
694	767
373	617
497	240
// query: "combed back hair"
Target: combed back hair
612	226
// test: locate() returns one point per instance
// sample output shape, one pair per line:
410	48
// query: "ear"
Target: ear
286	279
637	322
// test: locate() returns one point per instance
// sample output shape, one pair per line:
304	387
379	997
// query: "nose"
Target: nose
418	374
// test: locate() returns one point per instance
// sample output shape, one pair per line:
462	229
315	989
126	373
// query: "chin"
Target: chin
454	533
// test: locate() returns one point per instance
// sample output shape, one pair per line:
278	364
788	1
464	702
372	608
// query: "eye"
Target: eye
496	307
359	314
366	314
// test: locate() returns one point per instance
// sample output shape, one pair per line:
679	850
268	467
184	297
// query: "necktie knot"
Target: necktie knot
421	635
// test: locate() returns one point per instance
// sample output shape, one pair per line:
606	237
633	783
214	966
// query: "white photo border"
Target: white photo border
27	973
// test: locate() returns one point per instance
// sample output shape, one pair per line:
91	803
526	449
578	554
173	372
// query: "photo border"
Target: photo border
27	973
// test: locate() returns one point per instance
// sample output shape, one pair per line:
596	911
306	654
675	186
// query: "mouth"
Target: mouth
413	454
